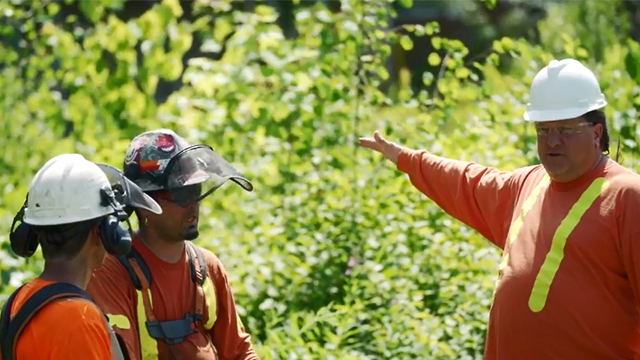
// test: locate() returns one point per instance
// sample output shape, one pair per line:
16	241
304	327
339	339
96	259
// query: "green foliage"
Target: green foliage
335	255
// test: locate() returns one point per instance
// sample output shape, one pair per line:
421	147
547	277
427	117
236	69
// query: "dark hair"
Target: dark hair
64	242
599	117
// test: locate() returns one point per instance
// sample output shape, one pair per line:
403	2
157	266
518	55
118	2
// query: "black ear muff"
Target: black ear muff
116	238
24	241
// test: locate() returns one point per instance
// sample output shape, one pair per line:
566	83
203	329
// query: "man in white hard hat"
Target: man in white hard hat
569	279
73	210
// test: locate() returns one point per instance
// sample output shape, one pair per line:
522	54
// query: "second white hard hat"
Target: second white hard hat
564	89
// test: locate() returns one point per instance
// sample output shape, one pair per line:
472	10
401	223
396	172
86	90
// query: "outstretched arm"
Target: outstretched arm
480	196
228	333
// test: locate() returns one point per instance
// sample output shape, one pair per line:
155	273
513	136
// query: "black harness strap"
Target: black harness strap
124	260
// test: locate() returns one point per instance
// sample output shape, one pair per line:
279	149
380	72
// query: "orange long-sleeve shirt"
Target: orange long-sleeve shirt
65	329
172	295
569	284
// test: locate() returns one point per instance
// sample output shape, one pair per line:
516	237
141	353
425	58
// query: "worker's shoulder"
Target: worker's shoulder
111	266
528	174
622	179
212	260
74	312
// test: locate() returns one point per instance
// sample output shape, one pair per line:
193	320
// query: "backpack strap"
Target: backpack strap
12	327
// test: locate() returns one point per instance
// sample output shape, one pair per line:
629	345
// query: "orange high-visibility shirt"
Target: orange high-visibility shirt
172	295
64	329
569	285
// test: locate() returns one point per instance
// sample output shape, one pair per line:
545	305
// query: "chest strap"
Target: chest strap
170	331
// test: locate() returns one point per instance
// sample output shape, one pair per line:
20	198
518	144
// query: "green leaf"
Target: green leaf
632	60
406	42
407	4
434	59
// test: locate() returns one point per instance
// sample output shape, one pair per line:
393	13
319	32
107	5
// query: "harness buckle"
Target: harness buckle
173	331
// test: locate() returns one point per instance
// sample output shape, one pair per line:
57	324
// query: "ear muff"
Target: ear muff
116	238
23	240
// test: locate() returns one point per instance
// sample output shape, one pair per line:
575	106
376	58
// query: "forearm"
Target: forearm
477	195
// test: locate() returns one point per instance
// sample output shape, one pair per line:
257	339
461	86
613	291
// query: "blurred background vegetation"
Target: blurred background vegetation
335	255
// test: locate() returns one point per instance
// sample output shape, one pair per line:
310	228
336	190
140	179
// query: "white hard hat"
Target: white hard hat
564	89
66	190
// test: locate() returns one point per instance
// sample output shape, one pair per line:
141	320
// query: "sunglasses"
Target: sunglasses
182	196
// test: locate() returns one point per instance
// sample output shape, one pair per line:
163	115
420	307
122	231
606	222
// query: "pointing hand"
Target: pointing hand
378	143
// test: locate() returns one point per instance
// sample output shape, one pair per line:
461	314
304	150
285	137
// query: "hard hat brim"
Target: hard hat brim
58	218
560	114
129	193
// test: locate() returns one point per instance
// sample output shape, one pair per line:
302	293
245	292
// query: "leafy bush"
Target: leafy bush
334	256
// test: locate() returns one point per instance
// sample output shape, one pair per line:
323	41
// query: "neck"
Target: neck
76	272
569	182
169	251
600	157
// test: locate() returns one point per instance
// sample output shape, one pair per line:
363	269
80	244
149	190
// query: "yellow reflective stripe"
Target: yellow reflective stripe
551	263
210	297
120	321
517	224
148	345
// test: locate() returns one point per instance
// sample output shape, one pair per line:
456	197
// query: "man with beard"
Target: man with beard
168	298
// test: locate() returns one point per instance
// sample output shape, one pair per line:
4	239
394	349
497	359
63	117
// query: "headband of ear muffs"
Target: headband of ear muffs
115	237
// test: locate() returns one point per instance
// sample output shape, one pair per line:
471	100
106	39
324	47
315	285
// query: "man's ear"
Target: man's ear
598	131
94	235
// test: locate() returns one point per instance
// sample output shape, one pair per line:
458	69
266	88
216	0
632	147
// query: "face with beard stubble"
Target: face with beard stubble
177	222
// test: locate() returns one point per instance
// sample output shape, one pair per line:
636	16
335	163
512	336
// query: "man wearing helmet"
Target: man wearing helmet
170	299
569	279
73	211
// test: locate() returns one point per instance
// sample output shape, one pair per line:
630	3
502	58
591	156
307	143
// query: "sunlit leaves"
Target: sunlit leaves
334	255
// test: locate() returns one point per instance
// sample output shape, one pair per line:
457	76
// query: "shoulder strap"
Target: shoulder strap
134	255
198	268
5	321
12	328
197	263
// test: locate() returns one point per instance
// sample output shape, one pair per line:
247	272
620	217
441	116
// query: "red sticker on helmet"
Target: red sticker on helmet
165	143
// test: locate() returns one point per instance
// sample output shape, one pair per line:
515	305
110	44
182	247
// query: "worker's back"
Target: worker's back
63	329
